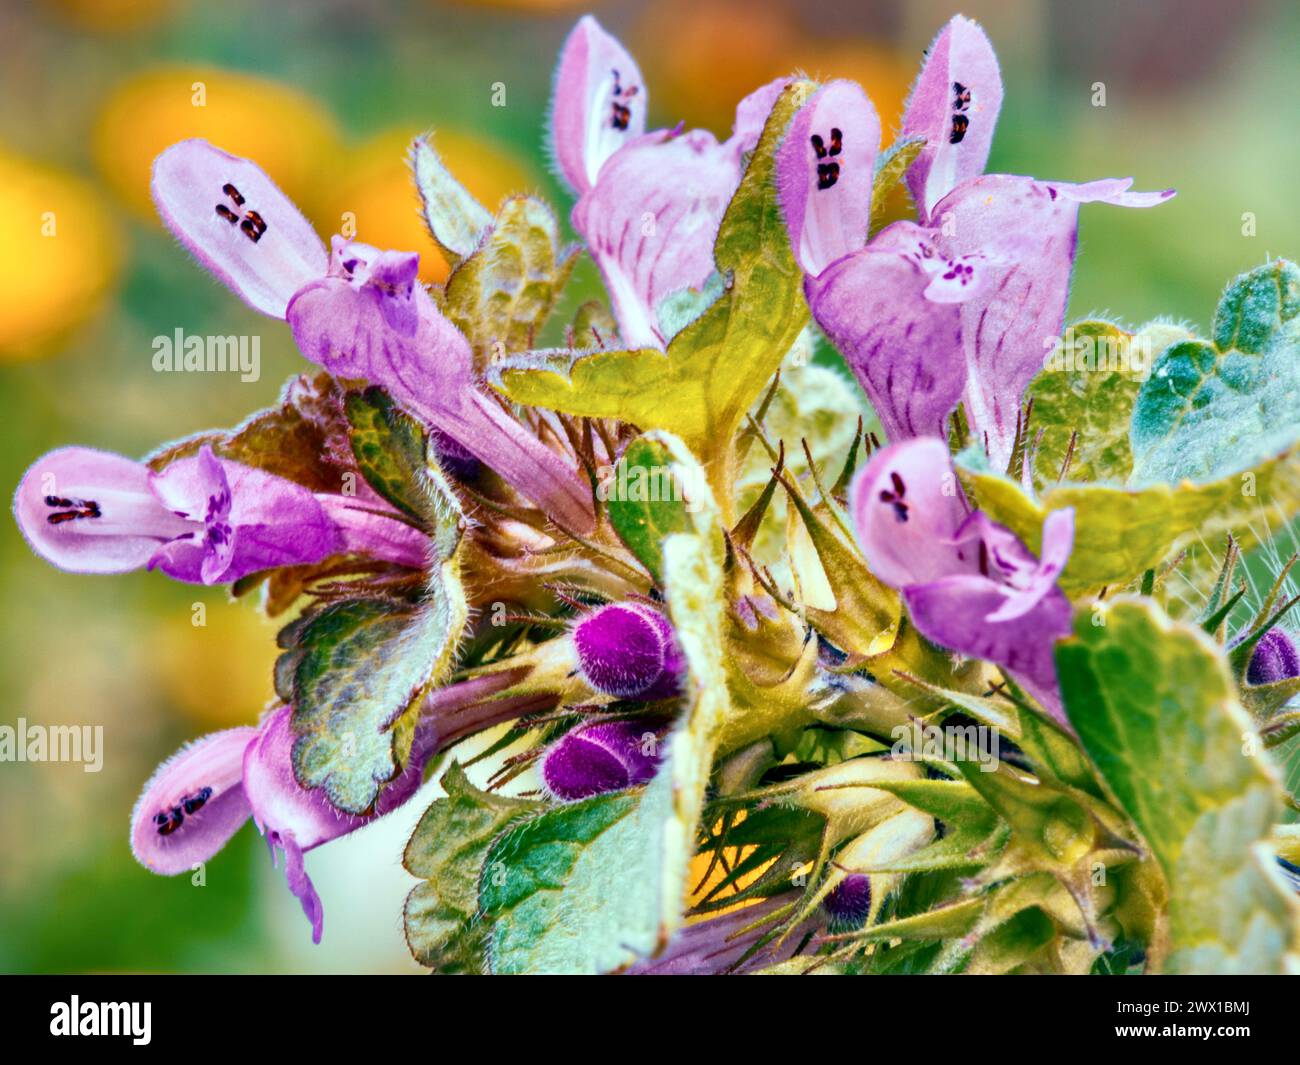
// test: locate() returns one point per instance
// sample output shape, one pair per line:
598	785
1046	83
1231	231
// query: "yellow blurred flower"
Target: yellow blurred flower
62	252
219	674
700	60
110	16
373	197
291	136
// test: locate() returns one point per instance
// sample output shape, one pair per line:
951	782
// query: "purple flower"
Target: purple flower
627	650
197	799
848	903
961	306
968	583
649	204
1273	659
358	311
732	942
605	756
202	519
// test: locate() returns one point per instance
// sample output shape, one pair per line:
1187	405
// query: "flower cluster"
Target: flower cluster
691	708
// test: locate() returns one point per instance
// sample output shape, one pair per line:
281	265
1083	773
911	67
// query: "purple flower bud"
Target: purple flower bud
849	902
1274	659
627	650
607	756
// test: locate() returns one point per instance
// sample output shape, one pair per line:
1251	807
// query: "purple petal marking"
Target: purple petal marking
90	511
954	105
252	520
824	172
1008	327
650	222
193	804
1274	659
904	348
607	756
906	507
237	223
598	105
627	650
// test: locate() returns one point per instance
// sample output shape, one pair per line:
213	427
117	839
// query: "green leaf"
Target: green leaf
446	851
1153	704
457	222
357	672
390	449
503	292
1212	408
1089	387
590	887
644	503
891	165
718	365
1119	533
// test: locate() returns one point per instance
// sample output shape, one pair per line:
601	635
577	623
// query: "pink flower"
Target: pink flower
962	305
358	311
649	204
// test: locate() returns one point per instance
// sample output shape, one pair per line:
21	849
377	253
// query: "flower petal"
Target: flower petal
954	106
906	508
192	804
752	114
91	511
599	102
904	348
237	223
824	172
1010	327
956	612
650	222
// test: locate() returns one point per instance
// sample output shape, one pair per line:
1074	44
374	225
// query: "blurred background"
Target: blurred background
325	95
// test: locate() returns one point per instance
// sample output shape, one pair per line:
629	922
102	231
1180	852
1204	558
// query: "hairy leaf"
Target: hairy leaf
446	851
502	293
644	501
1153	704
1212	408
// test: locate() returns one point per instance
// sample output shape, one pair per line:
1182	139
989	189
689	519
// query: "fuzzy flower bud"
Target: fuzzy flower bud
627	650
606	756
849	903
1275	658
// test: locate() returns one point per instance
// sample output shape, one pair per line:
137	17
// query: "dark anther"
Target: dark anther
252	226
962	95
169	820
819	145
960	123
192	804
72	509
837	141
984	559
827	175
896	497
